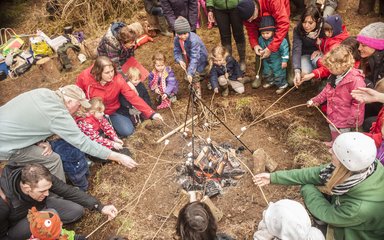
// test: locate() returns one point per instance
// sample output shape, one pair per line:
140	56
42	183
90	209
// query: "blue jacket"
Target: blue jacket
232	68
196	52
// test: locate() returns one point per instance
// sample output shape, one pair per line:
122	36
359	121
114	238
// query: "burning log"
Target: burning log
217	213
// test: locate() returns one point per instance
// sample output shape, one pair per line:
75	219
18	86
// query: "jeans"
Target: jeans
122	124
308	65
68	211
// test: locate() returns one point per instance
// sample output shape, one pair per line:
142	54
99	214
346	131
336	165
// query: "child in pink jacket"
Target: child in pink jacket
342	110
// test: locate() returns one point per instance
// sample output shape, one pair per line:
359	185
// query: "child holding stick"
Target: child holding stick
343	111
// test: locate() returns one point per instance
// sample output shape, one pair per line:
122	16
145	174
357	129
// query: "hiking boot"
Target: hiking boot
267	85
167	34
225	91
173	99
257	82
282	89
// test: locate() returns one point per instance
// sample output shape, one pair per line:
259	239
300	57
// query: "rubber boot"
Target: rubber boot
225	90
241	52
257	82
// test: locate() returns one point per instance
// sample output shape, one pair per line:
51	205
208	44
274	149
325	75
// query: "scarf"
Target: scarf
339	180
315	34
155	84
183	51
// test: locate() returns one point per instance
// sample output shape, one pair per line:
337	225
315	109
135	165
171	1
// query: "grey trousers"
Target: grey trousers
68	211
33	154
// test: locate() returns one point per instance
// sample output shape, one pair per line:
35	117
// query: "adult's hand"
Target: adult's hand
183	65
47	149
122	159
262	179
367	95
258	50
297	79
110	211
265	53
211	18
117	146
157	116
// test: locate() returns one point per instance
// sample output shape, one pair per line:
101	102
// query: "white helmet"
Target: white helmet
354	150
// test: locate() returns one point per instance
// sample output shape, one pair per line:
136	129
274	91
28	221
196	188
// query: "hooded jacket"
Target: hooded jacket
374	68
356	215
280	11
110	93
231	67
175	8
342	109
18	203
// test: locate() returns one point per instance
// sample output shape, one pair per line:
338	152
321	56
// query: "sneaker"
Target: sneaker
245	80
267	85
257	82
173	99
282	89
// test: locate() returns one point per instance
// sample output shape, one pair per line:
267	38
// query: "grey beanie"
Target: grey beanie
182	26
372	35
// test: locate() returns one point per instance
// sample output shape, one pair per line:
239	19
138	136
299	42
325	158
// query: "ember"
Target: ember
214	167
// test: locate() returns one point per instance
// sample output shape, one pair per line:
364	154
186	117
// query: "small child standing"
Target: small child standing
225	71
134	82
97	127
274	67
190	52
162	81
342	110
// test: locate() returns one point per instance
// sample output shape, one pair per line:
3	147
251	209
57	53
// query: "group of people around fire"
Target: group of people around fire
46	136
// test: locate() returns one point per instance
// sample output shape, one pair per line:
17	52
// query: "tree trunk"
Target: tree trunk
49	69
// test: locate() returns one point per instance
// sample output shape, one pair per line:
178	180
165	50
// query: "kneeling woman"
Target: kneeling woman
353	182
101	80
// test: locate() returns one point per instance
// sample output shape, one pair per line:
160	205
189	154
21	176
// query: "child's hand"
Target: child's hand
307	77
189	78
164	96
315	54
318	41
265	53
258	50
157	91
216	90
284	64
117	146
118	140
183	65
311	103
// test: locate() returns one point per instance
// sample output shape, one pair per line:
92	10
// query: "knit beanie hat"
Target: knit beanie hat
246	8
181	25
44	225
372	35
267	23
336	23
288	220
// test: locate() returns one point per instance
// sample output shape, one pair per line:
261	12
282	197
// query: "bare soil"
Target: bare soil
292	138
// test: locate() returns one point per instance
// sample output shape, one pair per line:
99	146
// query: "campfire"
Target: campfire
215	167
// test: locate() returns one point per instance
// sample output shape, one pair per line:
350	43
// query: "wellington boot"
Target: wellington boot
225	91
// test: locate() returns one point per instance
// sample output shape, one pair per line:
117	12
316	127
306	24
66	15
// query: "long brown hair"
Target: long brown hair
98	67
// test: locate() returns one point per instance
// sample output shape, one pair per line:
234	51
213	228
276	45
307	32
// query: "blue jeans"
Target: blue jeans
308	65
122	124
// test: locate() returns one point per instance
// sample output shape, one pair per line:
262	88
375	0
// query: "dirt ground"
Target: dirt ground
292	138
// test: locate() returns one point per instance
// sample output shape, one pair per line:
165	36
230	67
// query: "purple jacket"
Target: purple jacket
170	82
175	8
342	109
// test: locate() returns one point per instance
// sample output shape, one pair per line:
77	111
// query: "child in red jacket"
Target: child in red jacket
335	32
94	122
343	111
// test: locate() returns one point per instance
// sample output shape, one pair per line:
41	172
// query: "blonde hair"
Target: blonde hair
97	105
133	73
218	51
339	58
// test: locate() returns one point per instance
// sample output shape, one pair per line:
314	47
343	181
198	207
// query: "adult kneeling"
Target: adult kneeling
101	80
31	185
353	182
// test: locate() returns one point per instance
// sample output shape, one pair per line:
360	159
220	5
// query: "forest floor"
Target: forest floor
293	139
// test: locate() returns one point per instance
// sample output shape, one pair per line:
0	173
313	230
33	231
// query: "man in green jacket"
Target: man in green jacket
354	182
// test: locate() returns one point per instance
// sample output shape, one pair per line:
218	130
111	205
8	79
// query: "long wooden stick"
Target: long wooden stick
258	117
169	215
176	129
330	122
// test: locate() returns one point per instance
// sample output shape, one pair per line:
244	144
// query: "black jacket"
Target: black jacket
232	67
302	45
374	69
175	8
18	204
